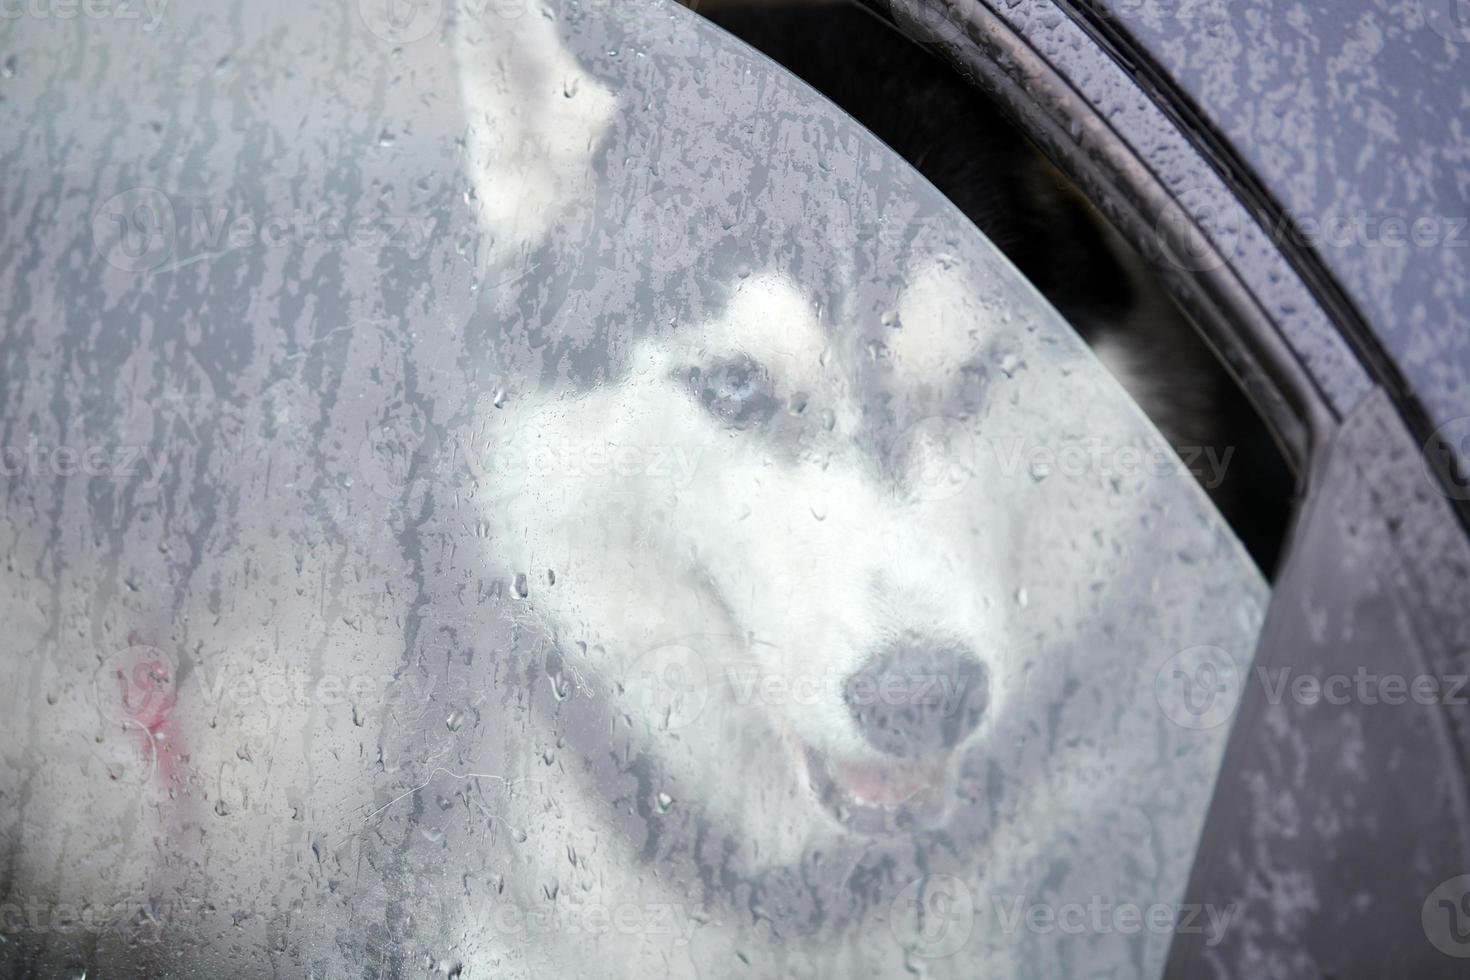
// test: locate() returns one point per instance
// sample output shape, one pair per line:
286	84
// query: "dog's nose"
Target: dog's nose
915	699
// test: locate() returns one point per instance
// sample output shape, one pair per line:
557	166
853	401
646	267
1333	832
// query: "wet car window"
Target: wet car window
531	488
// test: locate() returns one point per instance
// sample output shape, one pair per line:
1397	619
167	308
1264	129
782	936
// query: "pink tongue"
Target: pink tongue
879	783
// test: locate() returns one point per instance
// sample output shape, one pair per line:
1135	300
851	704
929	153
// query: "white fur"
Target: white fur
534	120
794	564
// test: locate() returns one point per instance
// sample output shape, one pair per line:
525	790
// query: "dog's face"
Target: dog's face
782	519
761	504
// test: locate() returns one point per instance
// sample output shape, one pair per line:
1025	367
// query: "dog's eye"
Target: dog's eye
737	391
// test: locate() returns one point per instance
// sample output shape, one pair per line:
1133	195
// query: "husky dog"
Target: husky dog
793	643
734	658
795	621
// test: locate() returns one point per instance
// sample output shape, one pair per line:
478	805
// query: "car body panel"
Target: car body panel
1342	806
1349	116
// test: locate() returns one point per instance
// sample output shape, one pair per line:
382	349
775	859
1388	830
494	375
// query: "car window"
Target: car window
520	489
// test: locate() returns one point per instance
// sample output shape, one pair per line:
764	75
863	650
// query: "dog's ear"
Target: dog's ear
769	318
939	327
534	120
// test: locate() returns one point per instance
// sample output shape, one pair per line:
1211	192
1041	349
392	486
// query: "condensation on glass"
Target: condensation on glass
530	488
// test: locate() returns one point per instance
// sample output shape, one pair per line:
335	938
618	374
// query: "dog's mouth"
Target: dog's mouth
878	797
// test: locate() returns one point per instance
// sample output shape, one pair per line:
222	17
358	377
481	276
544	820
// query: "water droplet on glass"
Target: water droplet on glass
523	587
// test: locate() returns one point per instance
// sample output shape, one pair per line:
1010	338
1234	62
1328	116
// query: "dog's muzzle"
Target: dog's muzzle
917	702
914	703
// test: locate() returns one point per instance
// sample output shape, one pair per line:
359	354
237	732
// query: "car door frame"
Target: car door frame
1376	575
